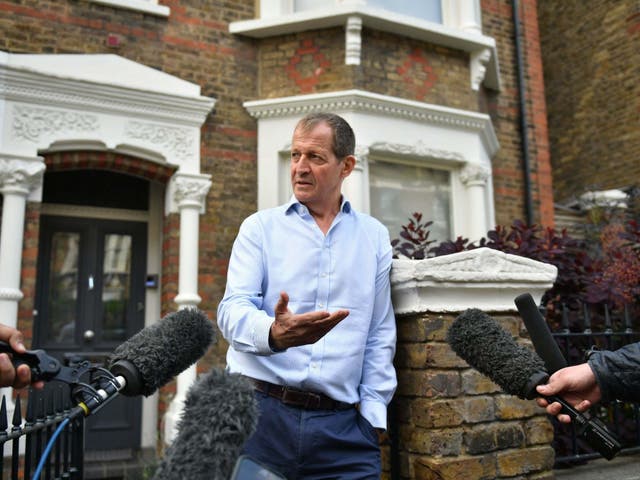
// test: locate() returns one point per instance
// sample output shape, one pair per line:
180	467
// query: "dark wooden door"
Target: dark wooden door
90	299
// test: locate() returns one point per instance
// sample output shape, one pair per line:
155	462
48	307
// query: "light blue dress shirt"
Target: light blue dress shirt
283	249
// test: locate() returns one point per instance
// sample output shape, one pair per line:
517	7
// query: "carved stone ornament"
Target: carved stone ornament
473	173
179	141
20	174
353	40
479	61
191	189
417	150
31	123
482	278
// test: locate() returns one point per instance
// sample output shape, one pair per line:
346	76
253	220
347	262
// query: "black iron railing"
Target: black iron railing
578	330
39	445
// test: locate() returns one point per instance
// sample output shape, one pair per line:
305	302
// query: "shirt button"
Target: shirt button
321	304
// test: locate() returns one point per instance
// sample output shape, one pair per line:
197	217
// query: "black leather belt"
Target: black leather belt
300	398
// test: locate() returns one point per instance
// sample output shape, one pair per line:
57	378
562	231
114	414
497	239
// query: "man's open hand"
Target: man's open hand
291	330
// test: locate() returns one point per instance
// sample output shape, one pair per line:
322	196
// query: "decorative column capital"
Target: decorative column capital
190	190
362	157
474	175
20	174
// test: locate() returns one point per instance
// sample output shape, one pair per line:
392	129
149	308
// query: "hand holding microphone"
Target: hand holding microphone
578	386
482	343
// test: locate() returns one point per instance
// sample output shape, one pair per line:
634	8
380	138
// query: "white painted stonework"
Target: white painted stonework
482	278
460	141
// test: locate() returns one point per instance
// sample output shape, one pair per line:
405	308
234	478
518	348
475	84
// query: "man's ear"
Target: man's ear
348	165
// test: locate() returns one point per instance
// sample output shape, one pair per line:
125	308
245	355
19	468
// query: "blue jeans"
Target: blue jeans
314	444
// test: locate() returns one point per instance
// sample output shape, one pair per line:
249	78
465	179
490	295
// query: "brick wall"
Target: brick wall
591	76
453	422
508	173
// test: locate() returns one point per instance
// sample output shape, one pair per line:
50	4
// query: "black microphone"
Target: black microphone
482	343
479	340
149	359
157	353
220	414
540	334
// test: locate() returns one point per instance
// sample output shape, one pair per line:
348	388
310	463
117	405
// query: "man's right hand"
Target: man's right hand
292	330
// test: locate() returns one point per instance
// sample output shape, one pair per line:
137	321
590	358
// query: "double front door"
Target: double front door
90	299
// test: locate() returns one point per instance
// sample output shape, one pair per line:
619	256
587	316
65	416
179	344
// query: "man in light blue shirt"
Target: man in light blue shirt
307	313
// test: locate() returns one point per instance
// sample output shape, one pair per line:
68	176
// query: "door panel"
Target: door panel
90	299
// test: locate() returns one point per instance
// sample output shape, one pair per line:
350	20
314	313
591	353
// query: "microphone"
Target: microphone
220	413
149	359
479	340
157	353
482	343
540	334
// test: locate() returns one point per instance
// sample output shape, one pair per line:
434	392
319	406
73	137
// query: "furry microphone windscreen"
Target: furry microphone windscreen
482	343
156	354
220	414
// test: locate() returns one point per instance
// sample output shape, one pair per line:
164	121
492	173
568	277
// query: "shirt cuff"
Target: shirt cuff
375	413
261	335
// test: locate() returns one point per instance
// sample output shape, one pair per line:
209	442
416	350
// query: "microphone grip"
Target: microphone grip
592	430
543	342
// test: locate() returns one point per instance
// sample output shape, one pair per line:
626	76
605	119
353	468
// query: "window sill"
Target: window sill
144	6
378	19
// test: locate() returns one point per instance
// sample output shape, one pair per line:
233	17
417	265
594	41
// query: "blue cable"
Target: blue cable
47	450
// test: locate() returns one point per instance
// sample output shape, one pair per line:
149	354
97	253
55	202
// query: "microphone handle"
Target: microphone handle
543	342
102	396
596	433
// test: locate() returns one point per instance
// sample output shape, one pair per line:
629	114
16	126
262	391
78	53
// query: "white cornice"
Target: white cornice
38	84
362	101
482	278
377	19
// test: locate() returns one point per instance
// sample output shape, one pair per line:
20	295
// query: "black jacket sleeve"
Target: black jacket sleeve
618	372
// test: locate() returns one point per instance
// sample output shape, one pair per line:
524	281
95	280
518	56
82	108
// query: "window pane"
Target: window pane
398	190
423	9
63	281
115	285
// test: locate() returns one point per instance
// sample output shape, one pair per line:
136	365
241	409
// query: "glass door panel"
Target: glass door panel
62	302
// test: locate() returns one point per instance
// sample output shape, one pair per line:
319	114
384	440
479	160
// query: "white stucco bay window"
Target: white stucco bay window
408	152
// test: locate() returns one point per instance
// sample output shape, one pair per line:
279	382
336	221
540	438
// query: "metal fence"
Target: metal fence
26	442
576	331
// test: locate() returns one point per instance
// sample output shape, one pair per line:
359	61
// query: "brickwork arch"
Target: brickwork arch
111	161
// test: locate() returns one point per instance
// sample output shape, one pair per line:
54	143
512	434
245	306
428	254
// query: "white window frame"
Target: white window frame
462	141
416	160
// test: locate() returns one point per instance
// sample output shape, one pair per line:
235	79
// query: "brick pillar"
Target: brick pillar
451	421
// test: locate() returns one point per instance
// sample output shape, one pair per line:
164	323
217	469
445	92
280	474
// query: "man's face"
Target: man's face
316	173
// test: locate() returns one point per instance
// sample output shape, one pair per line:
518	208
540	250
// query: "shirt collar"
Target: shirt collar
293	205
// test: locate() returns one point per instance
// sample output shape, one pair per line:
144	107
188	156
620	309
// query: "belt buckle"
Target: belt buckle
308	400
313	401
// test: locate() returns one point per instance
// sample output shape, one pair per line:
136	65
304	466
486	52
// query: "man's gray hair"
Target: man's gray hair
344	140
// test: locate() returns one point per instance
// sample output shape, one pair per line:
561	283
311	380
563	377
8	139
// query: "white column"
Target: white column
475	177
356	185
190	191
18	176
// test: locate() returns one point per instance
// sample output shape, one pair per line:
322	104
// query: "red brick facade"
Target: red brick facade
194	44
